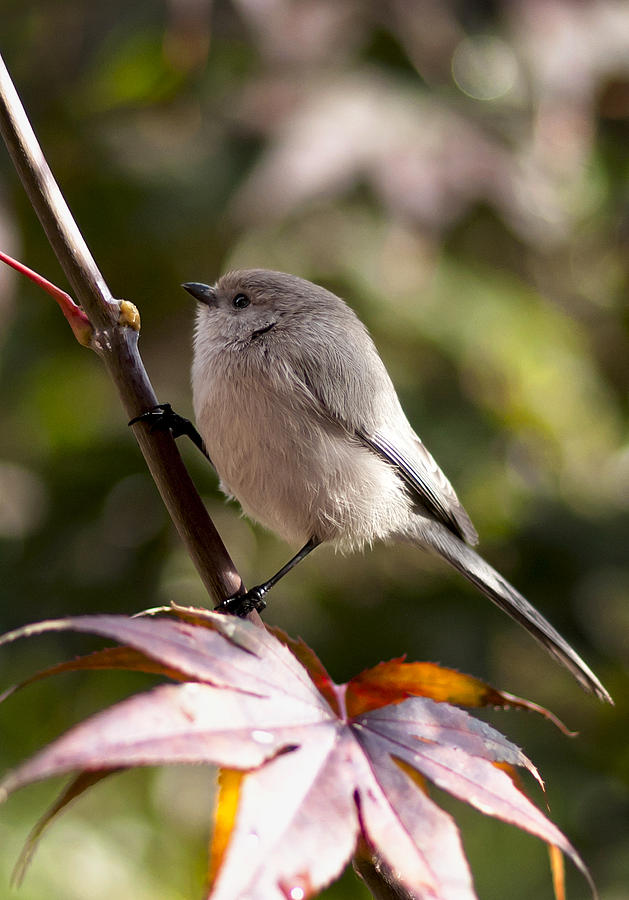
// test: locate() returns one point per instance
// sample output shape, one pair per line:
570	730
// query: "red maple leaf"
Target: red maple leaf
311	769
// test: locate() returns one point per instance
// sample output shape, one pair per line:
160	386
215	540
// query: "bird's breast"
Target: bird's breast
292	468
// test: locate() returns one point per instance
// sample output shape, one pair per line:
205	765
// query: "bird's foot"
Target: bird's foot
164	418
243	604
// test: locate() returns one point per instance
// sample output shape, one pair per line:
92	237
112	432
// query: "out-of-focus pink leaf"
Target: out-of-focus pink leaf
319	773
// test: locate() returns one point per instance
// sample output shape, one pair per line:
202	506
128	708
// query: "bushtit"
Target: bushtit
304	427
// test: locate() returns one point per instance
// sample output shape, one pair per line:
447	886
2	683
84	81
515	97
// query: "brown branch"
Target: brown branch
116	342
375	875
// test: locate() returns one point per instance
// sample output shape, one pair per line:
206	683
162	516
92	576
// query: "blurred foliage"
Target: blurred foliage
459	172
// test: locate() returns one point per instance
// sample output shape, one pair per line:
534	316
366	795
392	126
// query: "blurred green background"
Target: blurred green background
458	171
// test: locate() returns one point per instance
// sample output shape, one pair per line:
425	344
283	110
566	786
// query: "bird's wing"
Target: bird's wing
362	399
426	481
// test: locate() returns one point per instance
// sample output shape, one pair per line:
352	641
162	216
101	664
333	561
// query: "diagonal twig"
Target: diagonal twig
115	339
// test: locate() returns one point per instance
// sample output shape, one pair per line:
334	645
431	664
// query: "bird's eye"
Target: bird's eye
240	301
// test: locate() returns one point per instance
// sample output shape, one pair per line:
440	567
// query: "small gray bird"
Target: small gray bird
304	427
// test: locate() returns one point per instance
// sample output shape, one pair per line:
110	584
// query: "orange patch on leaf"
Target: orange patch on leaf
229	784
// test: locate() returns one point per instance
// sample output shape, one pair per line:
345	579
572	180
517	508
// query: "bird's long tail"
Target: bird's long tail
504	595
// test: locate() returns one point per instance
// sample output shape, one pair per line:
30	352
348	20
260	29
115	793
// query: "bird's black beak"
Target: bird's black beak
201	292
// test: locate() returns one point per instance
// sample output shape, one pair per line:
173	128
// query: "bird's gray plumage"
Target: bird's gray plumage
305	429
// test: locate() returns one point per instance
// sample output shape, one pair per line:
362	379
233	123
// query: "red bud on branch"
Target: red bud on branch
78	321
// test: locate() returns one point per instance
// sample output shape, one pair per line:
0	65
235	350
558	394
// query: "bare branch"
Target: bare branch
376	876
115	339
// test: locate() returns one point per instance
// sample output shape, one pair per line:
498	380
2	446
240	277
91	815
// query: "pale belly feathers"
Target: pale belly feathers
301	476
